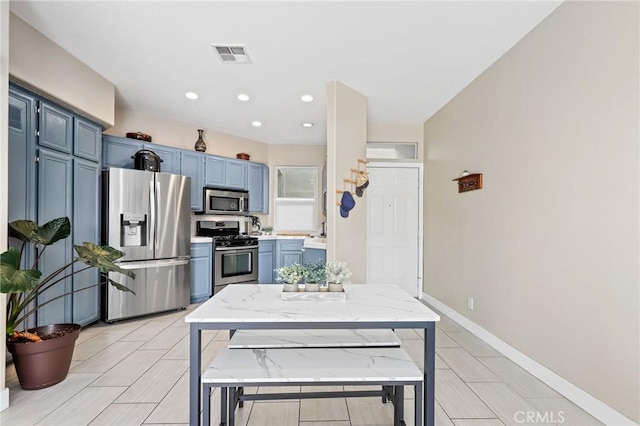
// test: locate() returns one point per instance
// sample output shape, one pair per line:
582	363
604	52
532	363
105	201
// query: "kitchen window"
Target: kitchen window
296	203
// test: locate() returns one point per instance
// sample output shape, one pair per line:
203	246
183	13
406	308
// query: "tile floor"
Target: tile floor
136	372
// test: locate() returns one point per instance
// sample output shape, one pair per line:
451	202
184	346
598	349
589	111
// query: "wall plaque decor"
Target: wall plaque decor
469	182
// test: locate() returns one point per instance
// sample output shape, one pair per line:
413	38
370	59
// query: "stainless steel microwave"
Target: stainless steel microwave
225	201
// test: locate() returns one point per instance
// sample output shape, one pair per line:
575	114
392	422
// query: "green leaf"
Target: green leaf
22	229
14	280
120	286
52	231
101	257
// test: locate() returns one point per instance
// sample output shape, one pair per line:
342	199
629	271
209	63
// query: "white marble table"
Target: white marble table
256	306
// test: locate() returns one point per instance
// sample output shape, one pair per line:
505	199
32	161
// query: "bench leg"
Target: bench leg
206	404
398	406
232	406
223	406
418	403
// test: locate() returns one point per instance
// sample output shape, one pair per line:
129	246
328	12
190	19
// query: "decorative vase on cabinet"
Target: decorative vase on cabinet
200	145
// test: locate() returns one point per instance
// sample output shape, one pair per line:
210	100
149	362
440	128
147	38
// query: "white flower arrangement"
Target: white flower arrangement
291	274
337	272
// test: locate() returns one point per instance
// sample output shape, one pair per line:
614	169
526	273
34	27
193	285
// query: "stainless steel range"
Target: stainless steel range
235	254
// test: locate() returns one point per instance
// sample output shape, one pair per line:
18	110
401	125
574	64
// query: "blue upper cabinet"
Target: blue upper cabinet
215	173
170	157
236	174
117	152
258	185
87	138
55	128
192	165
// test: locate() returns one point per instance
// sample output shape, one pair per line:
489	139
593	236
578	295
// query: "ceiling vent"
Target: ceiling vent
232	53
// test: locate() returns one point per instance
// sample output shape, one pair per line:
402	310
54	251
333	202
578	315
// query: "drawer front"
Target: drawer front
200	250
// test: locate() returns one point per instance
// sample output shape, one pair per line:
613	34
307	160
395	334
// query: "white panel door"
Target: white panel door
392	227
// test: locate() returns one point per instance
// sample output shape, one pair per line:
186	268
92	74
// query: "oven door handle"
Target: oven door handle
235	248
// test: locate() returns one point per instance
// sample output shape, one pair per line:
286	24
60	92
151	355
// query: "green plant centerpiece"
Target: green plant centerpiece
337	273
267	229
291	276
24	286
314	275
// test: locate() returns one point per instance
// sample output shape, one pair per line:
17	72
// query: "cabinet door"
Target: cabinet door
266	261
256	194
201	272
215	171
192	165
55	175
87	139
21	163
55	128
236	174
86	227
289	252
265	268
170	158
117	152
265	189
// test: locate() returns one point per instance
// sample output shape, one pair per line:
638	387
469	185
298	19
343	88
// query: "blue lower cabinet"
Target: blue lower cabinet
313	255
266	261
201	272
289	251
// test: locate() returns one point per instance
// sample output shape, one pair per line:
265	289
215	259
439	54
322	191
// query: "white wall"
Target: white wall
4	146
549	248
346	142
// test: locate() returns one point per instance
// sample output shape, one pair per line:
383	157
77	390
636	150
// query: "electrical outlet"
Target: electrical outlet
470	303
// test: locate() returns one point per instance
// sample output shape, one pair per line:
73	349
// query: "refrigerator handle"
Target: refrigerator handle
152	213
163	263
158	211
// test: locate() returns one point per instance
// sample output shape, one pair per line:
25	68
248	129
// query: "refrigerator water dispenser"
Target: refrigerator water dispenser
133	229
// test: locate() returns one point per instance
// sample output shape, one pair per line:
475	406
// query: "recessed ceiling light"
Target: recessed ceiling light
307	124
306	98
243	97
256	123
191	95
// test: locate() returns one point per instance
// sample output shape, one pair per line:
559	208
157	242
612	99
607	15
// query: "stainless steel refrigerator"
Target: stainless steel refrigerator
147	215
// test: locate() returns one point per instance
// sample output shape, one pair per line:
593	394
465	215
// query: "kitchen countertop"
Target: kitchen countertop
196	239
309	242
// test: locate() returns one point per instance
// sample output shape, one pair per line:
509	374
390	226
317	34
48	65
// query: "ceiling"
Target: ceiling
408	58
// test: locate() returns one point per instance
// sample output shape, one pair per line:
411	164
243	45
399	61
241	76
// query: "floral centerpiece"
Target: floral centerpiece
291	276
336	274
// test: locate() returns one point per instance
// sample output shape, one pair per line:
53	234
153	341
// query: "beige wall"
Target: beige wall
184	136
4	146
346	142
549	248
41	65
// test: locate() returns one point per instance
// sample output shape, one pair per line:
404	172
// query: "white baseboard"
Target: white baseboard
4	398
582	399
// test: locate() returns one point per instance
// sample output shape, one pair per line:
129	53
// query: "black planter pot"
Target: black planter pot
43	364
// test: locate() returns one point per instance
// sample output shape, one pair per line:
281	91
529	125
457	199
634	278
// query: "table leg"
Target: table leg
195	364
232	406
429	373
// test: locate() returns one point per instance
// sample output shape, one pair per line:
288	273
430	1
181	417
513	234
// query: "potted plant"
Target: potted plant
337	272
314	275
42	355
291	276
267	229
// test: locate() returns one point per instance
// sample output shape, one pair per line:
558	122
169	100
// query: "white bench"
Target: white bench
244	339
233	368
